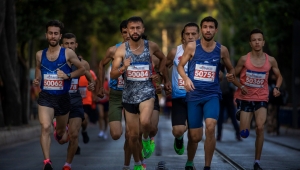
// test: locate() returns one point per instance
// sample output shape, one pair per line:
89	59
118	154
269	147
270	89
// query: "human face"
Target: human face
135	30
53	35
69	43
208	30
190	34
257	41
125	35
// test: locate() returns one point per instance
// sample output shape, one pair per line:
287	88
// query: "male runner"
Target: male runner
76	114
190	33
53	73
252	93
139	93
202	84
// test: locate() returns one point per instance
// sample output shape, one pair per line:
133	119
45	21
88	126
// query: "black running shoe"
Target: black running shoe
257	167
206	168
190	168
77	151
47	165
85	136
238	114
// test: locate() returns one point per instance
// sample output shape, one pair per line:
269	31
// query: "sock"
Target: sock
47	161
143	161
67	164
137	163
145	139
256	161
189	163
125	166
180	138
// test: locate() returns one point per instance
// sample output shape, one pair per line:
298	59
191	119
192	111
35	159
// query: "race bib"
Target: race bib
52	82
82	91
74	86
138	72
180	82
205	72
255	79
120	82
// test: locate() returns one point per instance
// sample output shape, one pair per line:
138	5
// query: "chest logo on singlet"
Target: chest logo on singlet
205	72
255	79
74	86
138	72
52	82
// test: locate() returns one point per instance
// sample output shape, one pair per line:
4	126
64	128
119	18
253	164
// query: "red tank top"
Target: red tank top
85	93
255	79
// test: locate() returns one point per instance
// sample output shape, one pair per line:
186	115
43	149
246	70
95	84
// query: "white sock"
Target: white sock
67	164
137	163
256	161
143	161
145	139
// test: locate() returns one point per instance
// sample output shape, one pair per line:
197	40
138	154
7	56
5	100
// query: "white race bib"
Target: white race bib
52	82
205	72
82	91
180	82
74	86
255	79
138	72
120	82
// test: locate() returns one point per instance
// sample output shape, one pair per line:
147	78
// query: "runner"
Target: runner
135	55
53	73
252	93
202	84
76	113
190	33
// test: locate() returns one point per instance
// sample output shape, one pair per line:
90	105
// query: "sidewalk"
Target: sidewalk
16	134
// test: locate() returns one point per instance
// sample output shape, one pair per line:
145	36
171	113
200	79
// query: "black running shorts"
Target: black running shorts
179	111
60	103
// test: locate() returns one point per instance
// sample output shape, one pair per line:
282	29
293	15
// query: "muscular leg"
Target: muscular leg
46	116
154	123
260	119
245	120
116	129
74	127
210	141
191	148
85	122
61	123
146	109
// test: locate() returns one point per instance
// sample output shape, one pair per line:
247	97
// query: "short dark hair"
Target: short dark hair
55	23
69	36
254	31
209	19
123	25
135	19
191	24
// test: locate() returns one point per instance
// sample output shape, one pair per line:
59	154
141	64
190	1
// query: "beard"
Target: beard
207	39
136	39
53	45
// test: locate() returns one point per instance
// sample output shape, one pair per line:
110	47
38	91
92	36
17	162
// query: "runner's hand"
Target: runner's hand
168	87
127	62
158	90
100	92
61	74
36	82
230	77
91	86
155	78
188	85
276	92
244	90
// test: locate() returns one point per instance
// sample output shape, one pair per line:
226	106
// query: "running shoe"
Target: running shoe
238	114
178	146
48	164
147	149
152	144
85	137
101	133
161	166
190	168
256	166
66	168
144	166
126	168
138	167
206	168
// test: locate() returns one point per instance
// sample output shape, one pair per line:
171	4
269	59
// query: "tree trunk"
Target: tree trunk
12	107
24	84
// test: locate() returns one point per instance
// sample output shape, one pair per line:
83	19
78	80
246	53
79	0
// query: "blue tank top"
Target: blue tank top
50	82
203	70
117	84
74	92
178	90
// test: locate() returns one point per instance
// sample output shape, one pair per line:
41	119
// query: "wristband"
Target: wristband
242	87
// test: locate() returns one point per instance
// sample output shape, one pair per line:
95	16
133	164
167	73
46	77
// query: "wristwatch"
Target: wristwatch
160	73
69	75
276	88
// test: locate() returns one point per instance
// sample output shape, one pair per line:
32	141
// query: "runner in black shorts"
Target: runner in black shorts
53	73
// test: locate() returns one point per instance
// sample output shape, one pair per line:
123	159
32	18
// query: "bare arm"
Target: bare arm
107	58
38	74
72	58
116	71
226	60
170	57
162	64
238	69
87	73
278	75
187	55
